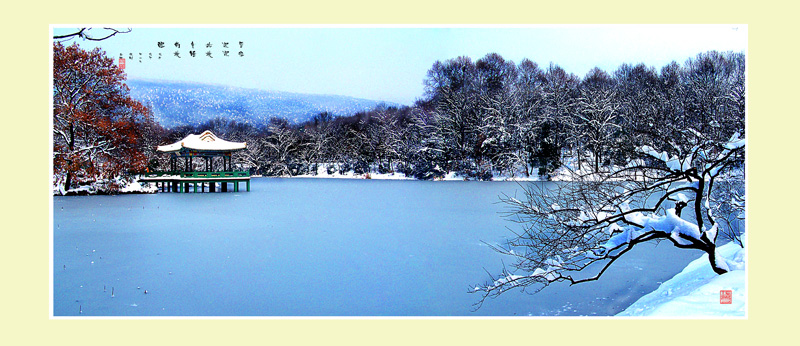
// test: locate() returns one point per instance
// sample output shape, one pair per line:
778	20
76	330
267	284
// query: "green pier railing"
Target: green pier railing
199	174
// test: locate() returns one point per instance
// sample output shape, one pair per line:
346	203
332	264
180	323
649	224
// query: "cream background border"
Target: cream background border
772	123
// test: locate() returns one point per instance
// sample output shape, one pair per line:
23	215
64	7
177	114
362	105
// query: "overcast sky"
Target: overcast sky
390	63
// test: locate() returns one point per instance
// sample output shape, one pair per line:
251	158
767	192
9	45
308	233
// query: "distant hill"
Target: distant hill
186	103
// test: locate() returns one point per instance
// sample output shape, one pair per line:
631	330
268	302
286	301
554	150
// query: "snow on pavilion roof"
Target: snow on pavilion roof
205	141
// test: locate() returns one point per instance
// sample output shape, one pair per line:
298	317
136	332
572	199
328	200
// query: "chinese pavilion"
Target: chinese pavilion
205	150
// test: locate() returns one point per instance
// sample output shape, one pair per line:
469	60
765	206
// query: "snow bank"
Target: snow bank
103	187
695	292
136	187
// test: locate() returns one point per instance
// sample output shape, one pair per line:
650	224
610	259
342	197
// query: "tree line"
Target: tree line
480	119
494	117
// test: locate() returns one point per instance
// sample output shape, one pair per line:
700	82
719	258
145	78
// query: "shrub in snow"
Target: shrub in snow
590	221
345	167
360	167
405	169
425	170
472	171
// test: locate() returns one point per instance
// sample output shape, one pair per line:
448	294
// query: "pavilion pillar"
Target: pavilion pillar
248	185
224	185
212	186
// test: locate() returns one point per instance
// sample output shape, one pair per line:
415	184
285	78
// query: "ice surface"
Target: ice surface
314	247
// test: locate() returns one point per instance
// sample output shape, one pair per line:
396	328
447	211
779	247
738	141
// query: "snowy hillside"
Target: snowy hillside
695	292
183	103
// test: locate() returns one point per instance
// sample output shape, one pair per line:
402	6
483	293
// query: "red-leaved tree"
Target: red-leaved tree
97	127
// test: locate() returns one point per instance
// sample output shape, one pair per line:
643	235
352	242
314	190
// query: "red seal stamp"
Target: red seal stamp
121	63
725	296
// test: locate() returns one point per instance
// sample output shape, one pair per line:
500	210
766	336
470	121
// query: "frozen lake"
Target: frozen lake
314	247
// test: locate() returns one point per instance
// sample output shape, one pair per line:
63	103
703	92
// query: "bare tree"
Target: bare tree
88	34
575	231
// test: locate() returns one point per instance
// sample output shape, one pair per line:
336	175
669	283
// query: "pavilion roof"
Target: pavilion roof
205	141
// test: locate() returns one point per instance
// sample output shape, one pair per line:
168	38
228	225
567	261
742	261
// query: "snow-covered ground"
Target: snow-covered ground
451	176
695	292
566	172
323	173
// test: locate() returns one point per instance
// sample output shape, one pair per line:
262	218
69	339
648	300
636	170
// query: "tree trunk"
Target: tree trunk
68	181
596	161
71	146
712	259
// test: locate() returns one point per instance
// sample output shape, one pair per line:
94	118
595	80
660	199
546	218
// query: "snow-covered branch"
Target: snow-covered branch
567	227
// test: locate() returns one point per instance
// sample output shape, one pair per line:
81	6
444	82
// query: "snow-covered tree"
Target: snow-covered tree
498	113
596	121
452	88
574	231
559	90
98	129
641	103
255	157
281	146
318	140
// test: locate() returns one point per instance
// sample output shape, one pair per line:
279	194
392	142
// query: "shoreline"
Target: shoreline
137	188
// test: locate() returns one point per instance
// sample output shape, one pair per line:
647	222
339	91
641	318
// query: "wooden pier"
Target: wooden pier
185	182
